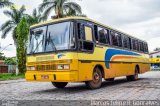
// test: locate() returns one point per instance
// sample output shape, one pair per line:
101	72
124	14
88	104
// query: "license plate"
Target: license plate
45	77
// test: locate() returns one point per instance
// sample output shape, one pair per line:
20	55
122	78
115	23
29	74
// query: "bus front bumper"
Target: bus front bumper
56	76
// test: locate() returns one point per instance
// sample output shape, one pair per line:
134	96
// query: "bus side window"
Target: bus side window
141	46
146	47
119	40
136	45
116	39
85	38
130	44
133	44
96	33
88	33
81	33
102	35
126	42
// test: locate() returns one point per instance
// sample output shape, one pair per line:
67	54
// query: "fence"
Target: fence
7	68
155	69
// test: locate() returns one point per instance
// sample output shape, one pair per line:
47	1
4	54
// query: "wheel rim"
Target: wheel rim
96	76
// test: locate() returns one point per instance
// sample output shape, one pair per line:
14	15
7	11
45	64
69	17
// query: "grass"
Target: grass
10	76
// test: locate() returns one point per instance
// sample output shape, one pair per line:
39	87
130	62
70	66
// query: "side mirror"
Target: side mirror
38	32
87	46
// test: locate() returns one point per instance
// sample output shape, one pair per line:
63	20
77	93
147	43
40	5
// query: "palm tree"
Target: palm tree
62	8
34	18
11	25
4	3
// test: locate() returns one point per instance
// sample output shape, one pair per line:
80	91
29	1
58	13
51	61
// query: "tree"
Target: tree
34	18
22	37
157	49
2	57
5	3
62	8
10	61
11	25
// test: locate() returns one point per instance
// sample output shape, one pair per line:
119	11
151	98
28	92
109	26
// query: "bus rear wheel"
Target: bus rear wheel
59	84
133	77
96	81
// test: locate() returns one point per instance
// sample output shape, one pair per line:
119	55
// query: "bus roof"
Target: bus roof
154	52
81	18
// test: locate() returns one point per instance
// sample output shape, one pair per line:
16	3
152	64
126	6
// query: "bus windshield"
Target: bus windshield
51	38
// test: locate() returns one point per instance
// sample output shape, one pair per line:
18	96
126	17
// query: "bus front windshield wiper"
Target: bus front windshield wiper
49	40
38	45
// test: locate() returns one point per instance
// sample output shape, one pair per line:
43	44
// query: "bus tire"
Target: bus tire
59	84
96	81
110	79
133	77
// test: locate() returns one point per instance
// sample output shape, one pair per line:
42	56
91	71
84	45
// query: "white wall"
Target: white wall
155	55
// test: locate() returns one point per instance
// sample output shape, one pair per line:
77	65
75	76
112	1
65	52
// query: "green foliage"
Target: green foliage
10	61
62	8
10	76
2	57
34	18
11	25
22	37
5	3
157	49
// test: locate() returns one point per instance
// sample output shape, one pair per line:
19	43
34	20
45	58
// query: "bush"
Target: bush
10	61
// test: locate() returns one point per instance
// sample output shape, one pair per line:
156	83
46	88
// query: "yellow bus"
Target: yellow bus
155	60
78	49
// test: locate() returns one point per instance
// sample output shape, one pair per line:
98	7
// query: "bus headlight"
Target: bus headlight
66	67
62	66
31	68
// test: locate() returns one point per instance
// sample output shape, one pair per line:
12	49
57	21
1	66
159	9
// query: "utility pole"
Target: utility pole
0	45
4	47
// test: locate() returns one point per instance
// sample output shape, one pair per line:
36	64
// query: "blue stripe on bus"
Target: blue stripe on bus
112	52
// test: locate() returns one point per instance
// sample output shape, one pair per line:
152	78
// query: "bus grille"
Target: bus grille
45	67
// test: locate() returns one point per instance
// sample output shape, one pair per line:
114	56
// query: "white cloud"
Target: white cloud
30	5
145	29
154	42
139	18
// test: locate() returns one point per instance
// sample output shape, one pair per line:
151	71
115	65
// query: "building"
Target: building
7	68
155	58
3	67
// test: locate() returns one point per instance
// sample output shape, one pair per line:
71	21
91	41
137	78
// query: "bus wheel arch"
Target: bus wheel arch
97	75
101	68
135	76
138	68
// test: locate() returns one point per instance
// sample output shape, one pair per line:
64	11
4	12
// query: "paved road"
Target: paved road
147	88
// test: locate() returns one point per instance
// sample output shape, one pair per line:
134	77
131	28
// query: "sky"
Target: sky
139	18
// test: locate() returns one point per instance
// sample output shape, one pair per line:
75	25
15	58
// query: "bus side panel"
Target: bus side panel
145	66
85	71
120	64
122	69
88	61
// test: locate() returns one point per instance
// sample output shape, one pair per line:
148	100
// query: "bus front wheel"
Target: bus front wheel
133	77
59	84
96	81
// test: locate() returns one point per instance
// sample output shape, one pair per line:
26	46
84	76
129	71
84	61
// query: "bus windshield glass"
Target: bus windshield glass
51	38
